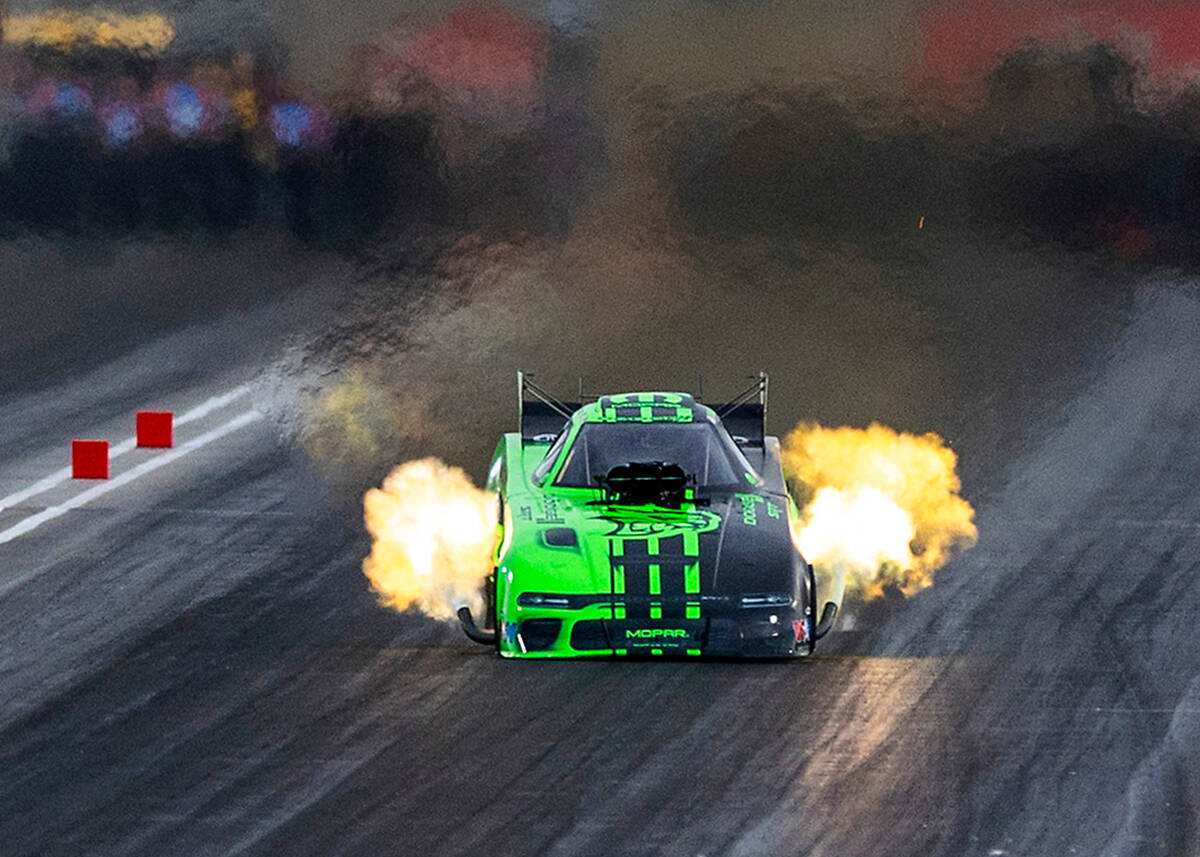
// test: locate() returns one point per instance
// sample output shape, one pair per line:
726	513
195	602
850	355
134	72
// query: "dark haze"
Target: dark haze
906	213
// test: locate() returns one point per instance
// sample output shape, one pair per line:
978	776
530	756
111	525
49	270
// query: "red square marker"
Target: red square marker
154	428
89	459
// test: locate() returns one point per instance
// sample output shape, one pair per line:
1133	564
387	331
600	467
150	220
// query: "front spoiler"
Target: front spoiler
720	637
734	638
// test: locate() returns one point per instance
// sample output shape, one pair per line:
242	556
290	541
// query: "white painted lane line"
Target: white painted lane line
59	476
52	512
214	404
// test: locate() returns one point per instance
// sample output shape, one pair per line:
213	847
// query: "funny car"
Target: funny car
645	524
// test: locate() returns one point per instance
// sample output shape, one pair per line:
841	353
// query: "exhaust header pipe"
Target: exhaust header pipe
828	615
486	638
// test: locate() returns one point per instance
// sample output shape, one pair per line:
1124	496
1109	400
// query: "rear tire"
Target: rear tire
811	607
493	611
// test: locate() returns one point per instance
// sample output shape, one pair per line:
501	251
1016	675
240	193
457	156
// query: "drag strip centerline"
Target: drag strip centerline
59	476
84	497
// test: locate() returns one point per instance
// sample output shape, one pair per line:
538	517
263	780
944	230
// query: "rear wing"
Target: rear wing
540	415
745	415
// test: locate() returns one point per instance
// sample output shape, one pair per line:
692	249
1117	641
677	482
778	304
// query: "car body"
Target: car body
639	524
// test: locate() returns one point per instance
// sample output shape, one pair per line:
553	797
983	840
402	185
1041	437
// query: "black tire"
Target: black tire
811	606
493	596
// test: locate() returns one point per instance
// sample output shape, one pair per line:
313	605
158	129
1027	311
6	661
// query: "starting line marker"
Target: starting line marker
52	512
128	445
89	459
154	428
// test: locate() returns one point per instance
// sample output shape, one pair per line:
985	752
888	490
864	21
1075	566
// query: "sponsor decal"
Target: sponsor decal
646	398
641	524
750	508
645	408
550	513
654	633
800	626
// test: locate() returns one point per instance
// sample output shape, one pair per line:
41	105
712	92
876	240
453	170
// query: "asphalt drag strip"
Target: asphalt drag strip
200	668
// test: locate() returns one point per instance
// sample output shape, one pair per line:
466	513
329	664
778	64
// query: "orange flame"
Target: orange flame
434	533
880	507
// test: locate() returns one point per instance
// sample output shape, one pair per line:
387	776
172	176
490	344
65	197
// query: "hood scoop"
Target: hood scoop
640	483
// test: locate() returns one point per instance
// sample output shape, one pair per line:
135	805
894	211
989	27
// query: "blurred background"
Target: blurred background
910	212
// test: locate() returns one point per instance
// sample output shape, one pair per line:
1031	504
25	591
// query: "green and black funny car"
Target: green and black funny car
646	524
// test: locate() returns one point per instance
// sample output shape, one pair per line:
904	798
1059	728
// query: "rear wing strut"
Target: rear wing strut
540	415
745	415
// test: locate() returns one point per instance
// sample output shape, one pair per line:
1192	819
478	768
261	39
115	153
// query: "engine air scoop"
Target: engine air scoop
640	483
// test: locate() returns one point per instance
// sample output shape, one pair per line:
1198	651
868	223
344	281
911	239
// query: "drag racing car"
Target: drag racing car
645	524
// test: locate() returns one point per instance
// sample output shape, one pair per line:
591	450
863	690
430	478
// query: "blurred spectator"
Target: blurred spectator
297	125
12	69
121	114
243	98
190	109
183	109
481	74
53	99
122	124
71	99
95	132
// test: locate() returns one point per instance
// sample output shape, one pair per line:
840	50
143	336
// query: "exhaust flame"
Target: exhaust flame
433	535
879	507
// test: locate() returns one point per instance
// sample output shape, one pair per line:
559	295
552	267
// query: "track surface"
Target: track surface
193	666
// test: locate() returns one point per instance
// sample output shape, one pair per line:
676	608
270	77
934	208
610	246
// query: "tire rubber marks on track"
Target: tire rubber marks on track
52	512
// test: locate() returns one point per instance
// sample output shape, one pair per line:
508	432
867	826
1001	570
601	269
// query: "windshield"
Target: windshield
703	452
